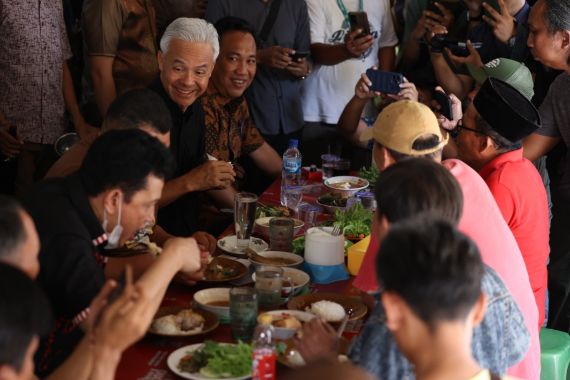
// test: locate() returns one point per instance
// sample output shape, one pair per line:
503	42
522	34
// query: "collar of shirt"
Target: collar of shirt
213	94
522	14
174	108
80	201
497	162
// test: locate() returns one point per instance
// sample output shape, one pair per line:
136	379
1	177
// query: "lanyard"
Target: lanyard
346	23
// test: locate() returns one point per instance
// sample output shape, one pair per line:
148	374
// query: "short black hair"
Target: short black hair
137	108
557	15
502	144
234	24
414	186
124	159
435	268
12	231
24	313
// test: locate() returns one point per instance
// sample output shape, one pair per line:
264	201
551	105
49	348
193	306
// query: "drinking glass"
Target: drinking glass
328	163
244	217
268	285
293	194
243	312
341	167
308	214
281	234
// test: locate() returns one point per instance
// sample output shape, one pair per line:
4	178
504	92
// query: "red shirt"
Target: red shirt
518	189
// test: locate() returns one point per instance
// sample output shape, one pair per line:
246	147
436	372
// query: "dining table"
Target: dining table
147	359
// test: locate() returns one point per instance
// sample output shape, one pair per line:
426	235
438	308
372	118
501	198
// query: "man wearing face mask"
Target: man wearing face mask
79	217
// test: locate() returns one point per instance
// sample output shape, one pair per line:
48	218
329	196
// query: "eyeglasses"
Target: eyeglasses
461	127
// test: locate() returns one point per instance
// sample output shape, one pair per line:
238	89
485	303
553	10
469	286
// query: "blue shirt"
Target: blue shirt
493	48
499	342
275	94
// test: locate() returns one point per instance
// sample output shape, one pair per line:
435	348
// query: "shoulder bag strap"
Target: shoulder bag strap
270	20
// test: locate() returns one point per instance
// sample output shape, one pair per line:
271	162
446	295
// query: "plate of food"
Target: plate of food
331	307
180	321
346	185
287	322
222	269
290	357
211	360
263	211
228	244
331	202
276	258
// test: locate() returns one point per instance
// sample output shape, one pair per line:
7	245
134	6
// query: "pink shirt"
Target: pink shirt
483	222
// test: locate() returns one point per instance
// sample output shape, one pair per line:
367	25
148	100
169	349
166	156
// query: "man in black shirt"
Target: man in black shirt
188	50
113	195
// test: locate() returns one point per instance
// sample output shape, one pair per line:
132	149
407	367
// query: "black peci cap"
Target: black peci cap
506	110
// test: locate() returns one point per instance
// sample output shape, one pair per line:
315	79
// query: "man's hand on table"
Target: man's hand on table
318	341
206	242
211	175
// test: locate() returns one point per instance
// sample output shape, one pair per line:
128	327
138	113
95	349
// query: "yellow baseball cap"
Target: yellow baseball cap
401	124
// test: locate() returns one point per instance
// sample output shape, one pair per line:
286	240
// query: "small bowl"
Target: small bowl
297	276
282	332
327	206
356	184
215	300
296	260
262	226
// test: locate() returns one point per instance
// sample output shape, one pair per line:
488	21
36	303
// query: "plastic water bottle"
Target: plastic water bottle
291	175
264	354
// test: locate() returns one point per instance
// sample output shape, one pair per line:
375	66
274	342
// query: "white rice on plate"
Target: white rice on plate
327	310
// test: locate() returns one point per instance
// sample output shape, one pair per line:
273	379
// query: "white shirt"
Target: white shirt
327	90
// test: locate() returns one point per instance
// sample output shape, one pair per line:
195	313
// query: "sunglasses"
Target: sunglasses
461	127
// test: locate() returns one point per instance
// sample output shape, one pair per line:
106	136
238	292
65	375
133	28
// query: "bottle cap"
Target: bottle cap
266	319
293	143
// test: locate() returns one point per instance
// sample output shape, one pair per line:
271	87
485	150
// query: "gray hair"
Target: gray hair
557	15
191	30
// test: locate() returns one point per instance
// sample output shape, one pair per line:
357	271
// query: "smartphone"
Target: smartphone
299	55
460	48
444	102
384	81
359	20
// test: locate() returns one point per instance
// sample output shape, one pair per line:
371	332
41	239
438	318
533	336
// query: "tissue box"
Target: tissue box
356	254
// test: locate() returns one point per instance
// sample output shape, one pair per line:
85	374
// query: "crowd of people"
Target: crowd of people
179	105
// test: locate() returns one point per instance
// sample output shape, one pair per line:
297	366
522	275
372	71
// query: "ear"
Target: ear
565	39
393	309
160	58
388	159
479	309
111	200
485	143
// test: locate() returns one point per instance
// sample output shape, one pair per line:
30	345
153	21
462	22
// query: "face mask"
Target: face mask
115	236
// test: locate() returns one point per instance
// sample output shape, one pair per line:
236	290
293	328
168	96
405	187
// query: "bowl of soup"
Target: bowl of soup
216	300
346	186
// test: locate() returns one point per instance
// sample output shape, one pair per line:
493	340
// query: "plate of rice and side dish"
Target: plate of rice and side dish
180	321
331	307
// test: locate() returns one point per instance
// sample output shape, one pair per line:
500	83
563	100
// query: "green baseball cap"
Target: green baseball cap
514	73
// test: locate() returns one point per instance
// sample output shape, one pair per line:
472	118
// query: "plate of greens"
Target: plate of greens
211	360
354	222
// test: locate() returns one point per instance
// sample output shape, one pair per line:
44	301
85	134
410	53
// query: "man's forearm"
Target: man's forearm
347	124
445	76
103	82
78	366
327	54
223	198
387	58
174	189
107	360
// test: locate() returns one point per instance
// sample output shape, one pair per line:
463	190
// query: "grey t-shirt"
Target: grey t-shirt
555	115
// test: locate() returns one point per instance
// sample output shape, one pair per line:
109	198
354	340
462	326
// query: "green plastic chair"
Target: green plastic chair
555	354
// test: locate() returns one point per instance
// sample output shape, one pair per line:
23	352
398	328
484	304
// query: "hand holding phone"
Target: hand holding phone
444	103
359	20
385	82
298	55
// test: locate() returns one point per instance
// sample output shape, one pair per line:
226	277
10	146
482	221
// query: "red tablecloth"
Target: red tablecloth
147	358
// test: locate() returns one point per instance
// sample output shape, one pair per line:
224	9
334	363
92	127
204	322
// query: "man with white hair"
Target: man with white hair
188	51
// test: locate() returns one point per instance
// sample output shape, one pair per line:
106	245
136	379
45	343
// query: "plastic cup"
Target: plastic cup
281	234
243	313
